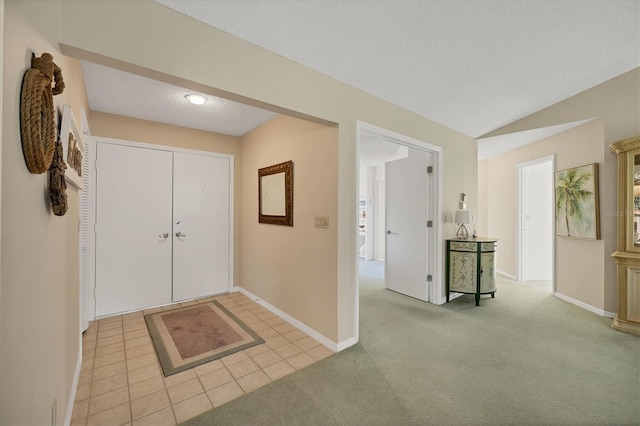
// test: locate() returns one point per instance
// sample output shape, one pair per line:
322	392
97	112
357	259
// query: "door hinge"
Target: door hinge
429	169
429	278
429	224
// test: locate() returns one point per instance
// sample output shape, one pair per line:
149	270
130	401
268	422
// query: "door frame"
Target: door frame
519	211
435	247
91	217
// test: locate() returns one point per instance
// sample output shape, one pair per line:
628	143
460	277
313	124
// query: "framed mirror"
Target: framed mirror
275	194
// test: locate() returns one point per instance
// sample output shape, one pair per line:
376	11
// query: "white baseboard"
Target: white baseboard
346	343
74	385
583	305
336	347
506	274
452	296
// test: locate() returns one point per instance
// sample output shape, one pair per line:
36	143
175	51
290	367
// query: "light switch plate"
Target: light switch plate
322	222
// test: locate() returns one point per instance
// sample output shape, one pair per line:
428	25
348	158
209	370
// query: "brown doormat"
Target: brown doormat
187	337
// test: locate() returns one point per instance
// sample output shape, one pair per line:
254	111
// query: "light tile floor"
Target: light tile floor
121	381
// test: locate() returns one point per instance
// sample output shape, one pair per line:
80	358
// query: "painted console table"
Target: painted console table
471	267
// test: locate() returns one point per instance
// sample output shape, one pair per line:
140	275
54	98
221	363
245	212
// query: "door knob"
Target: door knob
388	231
180	234
165	235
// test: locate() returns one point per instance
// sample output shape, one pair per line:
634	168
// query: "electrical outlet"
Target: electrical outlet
322	222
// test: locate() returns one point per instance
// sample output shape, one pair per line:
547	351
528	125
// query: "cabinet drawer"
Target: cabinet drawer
493	246
463	246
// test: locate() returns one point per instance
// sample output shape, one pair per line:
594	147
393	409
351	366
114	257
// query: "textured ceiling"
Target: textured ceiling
472	65
130	95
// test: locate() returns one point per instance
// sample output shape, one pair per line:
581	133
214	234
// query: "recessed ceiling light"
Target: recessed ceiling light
196	99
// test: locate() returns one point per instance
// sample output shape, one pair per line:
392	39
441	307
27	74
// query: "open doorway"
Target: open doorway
378	150
535	222
374	152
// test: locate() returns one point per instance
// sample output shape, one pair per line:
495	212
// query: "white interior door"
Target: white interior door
201	226
537	221
406	193
133	228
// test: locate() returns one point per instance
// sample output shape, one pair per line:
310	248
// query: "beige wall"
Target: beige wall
615	104
39	320
118	127
483	196
575	276
149	39
1	97
293	268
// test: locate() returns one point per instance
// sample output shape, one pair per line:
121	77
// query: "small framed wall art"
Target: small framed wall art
72	146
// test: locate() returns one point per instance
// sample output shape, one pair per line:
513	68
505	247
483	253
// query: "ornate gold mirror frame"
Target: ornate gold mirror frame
275	194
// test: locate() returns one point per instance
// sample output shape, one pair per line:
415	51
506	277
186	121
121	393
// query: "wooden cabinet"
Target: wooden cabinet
471	267
627	256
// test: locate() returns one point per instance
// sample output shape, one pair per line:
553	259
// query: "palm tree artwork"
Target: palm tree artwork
576	202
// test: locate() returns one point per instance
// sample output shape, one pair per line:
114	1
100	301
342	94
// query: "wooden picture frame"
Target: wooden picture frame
73	148
275	194
577	202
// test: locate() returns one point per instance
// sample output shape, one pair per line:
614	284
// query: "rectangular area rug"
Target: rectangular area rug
193	335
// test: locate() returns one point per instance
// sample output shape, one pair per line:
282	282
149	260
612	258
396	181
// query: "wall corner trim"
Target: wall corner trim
347	343
583	305
335	347
506	274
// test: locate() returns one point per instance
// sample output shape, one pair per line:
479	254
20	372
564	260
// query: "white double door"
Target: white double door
162	227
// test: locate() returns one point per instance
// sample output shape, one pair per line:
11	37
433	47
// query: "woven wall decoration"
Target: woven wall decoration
57	184
37	115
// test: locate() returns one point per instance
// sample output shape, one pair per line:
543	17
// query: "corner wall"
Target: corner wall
292	268
131	129
577	274
615	103
39	309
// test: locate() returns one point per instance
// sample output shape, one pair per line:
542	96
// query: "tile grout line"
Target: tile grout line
93	366
161	378
126	370
166	389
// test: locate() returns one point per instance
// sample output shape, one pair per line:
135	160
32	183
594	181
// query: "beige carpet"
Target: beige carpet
194	335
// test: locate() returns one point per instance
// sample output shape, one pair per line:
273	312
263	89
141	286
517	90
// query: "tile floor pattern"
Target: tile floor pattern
121	381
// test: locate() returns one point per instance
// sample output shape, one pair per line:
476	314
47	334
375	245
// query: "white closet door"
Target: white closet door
133	215
201	225
84	235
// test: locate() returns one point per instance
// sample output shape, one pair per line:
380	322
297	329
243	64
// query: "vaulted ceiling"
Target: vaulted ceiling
471	65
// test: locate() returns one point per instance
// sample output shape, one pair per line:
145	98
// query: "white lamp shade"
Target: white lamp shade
463	216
